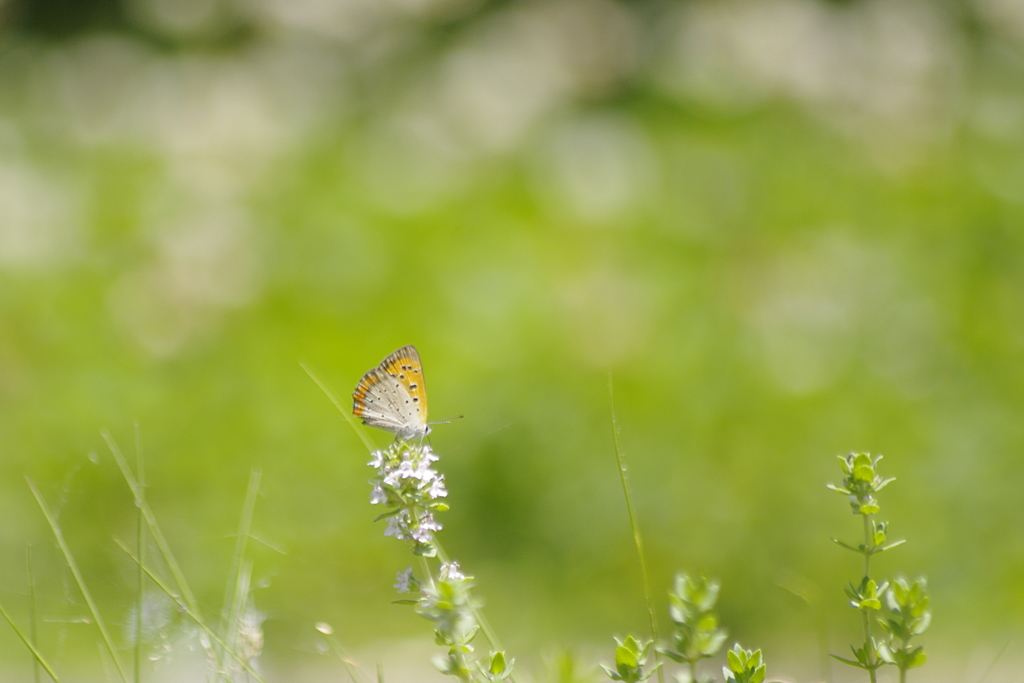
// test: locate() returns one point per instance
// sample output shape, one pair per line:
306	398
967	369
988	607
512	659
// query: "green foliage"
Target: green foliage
496	667
867	595
696	634
744	666
907	604
861	482
630	660
910	617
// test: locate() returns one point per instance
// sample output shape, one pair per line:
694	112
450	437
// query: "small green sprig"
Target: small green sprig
861	482
496	668
744	666
908	605
630	660
910	616
696	635
448	603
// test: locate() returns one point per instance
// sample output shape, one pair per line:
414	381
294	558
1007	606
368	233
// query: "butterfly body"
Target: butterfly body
393	397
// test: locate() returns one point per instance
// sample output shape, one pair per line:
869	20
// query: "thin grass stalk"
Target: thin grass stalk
343	656
39	659
234	600
32	619
637	539
154	529
241	598
103	660
192	614
995	660
356	427
152	525
140	548
70	560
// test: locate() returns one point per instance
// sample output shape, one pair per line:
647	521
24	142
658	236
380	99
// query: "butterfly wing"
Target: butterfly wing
392	397
405	366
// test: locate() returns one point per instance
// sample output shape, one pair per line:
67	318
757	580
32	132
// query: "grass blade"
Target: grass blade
70	560
32	619
234	602
345	412
151	524
140	549
637	539
40	660
192	614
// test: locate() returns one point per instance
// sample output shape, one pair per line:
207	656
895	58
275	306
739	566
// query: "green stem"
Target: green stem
637	539
183	605
140	549
869	547
33	634
80	580
28	643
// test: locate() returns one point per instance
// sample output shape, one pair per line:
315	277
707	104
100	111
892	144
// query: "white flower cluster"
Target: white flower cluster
406	482
450	571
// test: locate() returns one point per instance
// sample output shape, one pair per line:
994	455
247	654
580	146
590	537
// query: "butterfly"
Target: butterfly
392	396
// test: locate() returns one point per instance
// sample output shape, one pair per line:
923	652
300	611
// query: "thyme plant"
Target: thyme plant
696	635
407	484
907	604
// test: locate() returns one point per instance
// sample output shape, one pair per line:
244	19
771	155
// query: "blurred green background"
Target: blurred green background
790	229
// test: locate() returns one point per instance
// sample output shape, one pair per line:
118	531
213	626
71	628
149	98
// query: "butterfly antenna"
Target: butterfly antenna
446	420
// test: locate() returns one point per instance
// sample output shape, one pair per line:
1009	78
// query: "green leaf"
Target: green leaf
759	675
847	661
735	665
711	648
863	473
708	622
497	663
624	656
846	545
885	482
